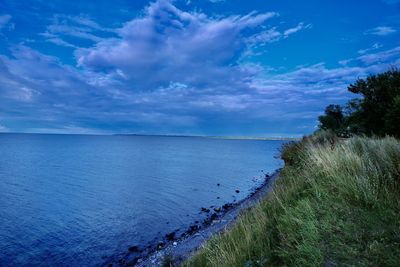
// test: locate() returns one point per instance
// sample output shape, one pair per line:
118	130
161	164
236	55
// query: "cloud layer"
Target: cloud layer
172	71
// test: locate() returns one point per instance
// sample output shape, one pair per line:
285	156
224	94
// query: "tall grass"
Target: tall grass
336	203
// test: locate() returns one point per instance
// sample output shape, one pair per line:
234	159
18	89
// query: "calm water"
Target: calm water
81	200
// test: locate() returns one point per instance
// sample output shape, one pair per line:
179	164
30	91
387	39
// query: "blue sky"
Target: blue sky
206	67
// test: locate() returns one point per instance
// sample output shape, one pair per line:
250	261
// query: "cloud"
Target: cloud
167	44
31	83
383	56
171	71
267	36
381	31
369	58
78	27
55	39
40	88
4	20
375	46
299	27
73	99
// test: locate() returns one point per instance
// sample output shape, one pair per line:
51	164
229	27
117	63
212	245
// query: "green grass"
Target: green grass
337	203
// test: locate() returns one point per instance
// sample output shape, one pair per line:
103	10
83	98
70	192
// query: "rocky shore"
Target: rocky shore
177	246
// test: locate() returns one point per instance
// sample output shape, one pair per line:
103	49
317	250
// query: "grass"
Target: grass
336	203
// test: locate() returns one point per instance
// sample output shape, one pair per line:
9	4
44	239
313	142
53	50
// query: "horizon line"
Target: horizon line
231	137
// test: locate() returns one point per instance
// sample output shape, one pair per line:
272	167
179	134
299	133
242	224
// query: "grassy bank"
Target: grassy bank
337	203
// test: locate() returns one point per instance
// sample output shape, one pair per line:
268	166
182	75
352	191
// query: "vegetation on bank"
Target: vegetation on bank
337	201
336	204
376	112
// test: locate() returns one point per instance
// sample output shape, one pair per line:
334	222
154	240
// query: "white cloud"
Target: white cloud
167	44
384	56
381	31
266	36
299	27
375	46
81	27
389	55
52	38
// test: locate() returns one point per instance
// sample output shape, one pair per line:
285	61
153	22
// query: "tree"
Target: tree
376	111
392	118
333	118
353	117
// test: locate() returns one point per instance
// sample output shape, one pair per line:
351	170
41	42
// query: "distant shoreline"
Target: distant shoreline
220	137
170	135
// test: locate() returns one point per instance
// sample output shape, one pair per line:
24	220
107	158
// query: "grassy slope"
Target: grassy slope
336	204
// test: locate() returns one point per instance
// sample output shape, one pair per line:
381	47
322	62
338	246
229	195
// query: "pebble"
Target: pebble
170	236
160	245
134	249
205	210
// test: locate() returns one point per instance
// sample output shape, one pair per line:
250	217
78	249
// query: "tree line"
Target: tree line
376	110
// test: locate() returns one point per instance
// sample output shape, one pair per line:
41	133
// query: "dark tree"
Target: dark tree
333	118
392	118
378	111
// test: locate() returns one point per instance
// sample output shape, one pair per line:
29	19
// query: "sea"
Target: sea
84	200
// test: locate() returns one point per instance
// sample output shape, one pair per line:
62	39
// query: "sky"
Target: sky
186	67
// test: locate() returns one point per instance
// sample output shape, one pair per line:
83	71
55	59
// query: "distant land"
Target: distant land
175	135
219	137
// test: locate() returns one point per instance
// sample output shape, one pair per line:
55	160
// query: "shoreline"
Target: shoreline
182	248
